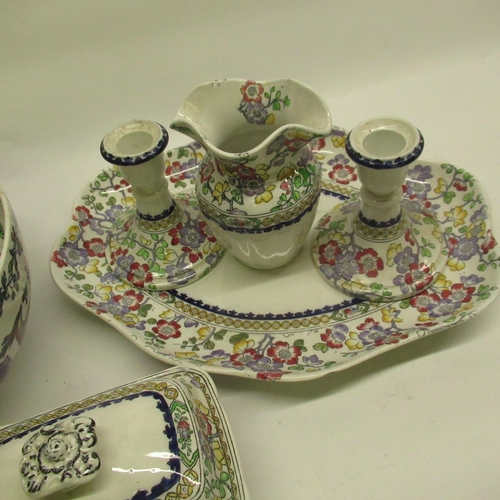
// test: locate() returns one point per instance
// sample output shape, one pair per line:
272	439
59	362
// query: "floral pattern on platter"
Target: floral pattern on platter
59	457
306	344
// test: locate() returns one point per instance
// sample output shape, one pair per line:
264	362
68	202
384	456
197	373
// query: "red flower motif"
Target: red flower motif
282	352
342	174
369	323
409	237
418	275
245	357
269	375
330	340
459	293
95	247
489	242
129	299
56	258
422	301
328	252
139	274
460	186
252	91
167	329
175	234
286	186
175	172
369	262
119	252
123	184
82	216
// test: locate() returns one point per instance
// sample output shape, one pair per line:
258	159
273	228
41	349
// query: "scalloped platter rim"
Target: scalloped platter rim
264	326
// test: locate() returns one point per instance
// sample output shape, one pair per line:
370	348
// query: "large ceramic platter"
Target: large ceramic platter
165	436
284	324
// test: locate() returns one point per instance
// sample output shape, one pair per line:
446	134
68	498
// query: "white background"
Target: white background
420	422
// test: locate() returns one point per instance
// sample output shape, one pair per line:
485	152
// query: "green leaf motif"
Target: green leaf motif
448	196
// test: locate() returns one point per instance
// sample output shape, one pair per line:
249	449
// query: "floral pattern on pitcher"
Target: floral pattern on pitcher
257	102
178	329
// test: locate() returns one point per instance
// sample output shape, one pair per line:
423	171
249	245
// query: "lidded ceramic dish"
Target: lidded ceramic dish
161	437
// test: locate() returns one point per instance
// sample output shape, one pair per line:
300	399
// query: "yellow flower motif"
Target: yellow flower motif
392	251
261	171
338	237
130	319
286	173
74	232
425	318
103	291
437	233
270	119
242	345
299	134
185	355
354	287
389	315
353	343
167	313
169	256
458	216
203	332
128	201
185	487
91	267
219	190
441	187
220	457
442	282
122	287
144	241
338	141
455	264
476	229
266	196
211	247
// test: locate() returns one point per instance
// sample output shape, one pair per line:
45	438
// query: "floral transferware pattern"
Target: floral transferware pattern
59	457
180	435
15	292
180	329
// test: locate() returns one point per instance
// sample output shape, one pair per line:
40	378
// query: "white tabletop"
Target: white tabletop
418	422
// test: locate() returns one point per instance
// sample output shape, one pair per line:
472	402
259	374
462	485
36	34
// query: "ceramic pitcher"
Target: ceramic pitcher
258	184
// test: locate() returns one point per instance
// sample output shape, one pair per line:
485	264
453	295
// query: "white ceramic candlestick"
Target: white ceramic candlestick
374	247
162	242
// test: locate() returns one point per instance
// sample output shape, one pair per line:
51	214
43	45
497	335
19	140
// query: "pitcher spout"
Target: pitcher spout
235	117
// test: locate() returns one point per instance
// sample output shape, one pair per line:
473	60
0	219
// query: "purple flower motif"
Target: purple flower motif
420	173
114	308
125	261
465	248
311	360
255	113
73	255
399	280
404	259
113	212
481	214
338	160
218	354
180	274
277	145
190	323
109	279
473	279
445	307
417	189
265	364
95	225
191	236
372	334
253	187
306	156
345	266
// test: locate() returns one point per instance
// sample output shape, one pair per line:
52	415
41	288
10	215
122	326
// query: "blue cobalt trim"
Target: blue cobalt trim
124	161
163	215
340	196
400	161
377	224
263	317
